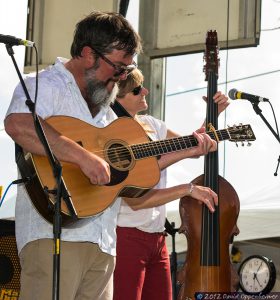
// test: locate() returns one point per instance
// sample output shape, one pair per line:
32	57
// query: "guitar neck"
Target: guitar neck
156	148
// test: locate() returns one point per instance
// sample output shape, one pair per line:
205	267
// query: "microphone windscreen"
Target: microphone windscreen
232	94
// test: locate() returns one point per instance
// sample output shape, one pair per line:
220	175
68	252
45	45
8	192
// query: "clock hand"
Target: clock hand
254	278
259	267
256	274
258	280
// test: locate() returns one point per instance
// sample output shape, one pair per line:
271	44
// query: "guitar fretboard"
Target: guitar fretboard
156	148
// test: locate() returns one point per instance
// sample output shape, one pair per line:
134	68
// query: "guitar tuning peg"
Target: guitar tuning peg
242	144
236	144
249	144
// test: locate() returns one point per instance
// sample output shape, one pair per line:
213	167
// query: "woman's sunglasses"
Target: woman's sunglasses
137	90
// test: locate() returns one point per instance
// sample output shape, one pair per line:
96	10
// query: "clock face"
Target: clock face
257	275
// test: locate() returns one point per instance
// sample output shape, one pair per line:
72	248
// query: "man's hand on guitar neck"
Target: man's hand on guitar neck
205	145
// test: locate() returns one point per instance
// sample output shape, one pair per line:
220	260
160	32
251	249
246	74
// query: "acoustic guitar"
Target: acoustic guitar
127	149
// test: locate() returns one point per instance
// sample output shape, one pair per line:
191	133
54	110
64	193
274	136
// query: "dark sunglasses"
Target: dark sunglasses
137	90
120	70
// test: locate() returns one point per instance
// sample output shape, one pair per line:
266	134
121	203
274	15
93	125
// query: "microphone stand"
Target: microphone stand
174	263
276	171
259	112
61	190
170	229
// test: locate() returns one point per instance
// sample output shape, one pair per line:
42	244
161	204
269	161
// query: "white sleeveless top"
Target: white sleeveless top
148	219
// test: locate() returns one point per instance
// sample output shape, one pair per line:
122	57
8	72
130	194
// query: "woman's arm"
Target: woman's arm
157	197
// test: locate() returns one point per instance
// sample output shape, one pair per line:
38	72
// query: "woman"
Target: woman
142	262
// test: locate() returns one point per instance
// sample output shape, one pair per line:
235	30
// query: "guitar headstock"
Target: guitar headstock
211	54
241	133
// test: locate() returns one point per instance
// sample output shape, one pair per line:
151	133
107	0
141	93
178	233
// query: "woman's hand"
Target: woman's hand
203	195
220	99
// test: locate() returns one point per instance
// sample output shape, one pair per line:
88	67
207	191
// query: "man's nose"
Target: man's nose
122	76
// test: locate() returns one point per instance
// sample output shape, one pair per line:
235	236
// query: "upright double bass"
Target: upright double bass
208	267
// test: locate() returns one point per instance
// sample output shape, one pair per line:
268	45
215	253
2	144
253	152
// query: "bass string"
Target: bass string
212	163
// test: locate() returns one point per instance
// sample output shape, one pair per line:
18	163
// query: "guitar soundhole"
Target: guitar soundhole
119	157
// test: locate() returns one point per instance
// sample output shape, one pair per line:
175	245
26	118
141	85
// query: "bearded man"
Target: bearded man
83	87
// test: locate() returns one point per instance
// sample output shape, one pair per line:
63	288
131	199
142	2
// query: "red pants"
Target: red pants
142	266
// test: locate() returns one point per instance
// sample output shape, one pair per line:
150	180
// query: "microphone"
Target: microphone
234	94
13	41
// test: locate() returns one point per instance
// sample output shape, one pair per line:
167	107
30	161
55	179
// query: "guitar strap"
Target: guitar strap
18	152
120	111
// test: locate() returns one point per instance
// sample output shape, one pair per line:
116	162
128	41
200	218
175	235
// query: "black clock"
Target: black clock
257	275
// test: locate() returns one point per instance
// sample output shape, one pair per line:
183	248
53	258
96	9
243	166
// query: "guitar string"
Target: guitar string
164	146
141	151
151	148
156	145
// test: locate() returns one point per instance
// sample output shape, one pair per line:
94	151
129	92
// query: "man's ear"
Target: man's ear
87	53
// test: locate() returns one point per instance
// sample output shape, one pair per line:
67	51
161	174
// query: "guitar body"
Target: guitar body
132	158
129	177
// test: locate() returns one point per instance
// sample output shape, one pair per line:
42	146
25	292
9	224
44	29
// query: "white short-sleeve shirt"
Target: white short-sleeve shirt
59	94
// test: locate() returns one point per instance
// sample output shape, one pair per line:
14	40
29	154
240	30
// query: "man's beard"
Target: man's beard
97	93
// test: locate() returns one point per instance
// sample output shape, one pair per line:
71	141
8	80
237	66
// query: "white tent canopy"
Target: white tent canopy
258	217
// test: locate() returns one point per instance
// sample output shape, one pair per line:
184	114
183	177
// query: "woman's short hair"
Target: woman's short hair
134	79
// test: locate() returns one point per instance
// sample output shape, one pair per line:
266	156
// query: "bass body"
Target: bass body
208	267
